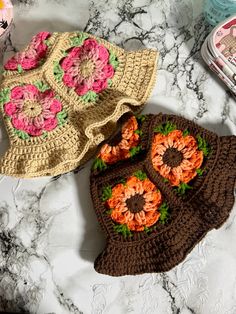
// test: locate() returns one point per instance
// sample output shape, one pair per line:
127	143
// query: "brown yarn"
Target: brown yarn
172	157
135	203
205	206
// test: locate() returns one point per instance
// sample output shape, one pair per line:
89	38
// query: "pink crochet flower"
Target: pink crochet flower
32	111
87	68
31	57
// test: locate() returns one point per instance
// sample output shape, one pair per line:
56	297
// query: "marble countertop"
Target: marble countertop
49	235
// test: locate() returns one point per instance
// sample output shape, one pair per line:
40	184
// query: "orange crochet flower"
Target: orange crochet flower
135	203
176	157
112	154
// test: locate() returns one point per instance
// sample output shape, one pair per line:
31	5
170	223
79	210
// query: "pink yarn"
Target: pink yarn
67	63
28	64
50	124
10	109
32	91
99	86
74	52
17	93
31	57
55	106
91	52
82	90
18	123
43	120
103	53
68	80
108	71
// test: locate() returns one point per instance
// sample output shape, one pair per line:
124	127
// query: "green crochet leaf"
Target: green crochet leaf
65	53
45	134
200	172
186	132
20	69
135	150
106	193
109	83
62	117
41	61
99	164
90	97
139	132
165	180
147	229
183	188
78	40
41	86
124	230
4	96
165	128
122	181
21	134
140	175
164	211
203	145
109	211
3	71
58	72
113	60
141	118
47	42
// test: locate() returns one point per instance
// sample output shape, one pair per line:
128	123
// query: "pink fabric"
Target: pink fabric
31	57
46	120
96	81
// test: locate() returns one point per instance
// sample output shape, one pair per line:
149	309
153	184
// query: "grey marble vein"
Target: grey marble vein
49	235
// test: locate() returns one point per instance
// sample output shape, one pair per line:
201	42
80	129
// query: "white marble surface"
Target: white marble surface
49	236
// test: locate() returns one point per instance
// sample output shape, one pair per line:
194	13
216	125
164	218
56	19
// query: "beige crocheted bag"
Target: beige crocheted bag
63	95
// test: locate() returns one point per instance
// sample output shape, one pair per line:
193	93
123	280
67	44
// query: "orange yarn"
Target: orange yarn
135	221
187	146
112	154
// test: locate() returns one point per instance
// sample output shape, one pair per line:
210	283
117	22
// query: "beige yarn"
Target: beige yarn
88	124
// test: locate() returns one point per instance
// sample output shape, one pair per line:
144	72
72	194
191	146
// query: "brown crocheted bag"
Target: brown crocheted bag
63	95
158	187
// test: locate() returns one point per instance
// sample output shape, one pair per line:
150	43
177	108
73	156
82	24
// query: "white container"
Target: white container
219	52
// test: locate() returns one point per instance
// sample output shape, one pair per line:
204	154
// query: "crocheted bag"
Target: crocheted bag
63	95
158	188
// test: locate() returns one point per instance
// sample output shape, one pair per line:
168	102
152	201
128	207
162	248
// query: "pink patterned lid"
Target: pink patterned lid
224	40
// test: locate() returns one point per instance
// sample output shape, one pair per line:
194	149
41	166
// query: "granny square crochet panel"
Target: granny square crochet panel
158	187
62	96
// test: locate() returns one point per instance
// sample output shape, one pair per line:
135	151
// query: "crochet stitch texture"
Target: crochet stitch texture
63	95
158	187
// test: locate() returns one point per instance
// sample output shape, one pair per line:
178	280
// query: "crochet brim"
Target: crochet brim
208	207
157	254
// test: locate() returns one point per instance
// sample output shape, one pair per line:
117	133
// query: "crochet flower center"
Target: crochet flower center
32	108
135	203
172	157
87	68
